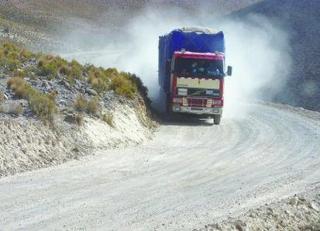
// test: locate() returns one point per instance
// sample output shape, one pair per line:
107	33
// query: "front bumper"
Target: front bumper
197	110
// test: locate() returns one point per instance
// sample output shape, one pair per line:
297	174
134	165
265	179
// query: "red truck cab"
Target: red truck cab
197	81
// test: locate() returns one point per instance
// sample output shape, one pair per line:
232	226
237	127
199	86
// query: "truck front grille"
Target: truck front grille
197	102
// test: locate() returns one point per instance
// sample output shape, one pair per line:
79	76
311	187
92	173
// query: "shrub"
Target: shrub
40	104
80	103
25	54
98	79
93	106
122	85
49	65
2	97
20	87
15	82
20	73
143	90
53	95
10	47
11	64
108	118
79	119
12	56
76	70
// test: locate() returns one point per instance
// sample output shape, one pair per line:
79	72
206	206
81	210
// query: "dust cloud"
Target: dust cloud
256	47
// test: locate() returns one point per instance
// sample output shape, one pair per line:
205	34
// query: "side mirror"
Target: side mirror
229	71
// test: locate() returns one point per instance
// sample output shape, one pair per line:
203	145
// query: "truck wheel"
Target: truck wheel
217	119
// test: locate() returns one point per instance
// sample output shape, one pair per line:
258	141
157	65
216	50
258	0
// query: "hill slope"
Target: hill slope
39	23
301	19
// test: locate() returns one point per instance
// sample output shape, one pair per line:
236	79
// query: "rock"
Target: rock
214	227
288	212
293	201
70	118
46	85
65	84
62	102
269	211
91	92
314	206
240	225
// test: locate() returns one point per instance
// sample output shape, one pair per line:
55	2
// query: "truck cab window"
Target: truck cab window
199	67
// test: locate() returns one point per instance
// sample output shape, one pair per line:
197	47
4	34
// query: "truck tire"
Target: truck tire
216	119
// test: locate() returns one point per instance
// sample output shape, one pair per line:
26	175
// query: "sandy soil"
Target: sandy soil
28	144
299	212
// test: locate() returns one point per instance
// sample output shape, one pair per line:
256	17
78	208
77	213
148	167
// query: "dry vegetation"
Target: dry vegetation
108	118
2	97
91	106
22	66
41	104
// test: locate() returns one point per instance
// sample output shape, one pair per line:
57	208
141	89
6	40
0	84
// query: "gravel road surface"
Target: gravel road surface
188	176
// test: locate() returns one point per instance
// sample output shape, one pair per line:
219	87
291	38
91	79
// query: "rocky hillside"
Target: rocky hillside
301	20
52	110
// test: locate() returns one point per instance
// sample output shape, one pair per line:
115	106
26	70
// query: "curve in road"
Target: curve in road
188	176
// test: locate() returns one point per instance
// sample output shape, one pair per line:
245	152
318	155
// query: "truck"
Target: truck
191	72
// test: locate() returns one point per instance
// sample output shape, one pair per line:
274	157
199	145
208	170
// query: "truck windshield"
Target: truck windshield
199	67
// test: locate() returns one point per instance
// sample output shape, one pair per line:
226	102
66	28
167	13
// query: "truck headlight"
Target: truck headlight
183	91
209	102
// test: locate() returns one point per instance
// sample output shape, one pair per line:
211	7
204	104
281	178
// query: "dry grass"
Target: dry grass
51	66
124	85
12	56
108	118
80	103
91	106
2	97
79	119
98	79
111	79
40	104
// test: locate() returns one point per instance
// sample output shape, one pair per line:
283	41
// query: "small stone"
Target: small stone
214	227
269	211
91	92
314	206
65	84
45	84
293	201
288	213
240	225
70	118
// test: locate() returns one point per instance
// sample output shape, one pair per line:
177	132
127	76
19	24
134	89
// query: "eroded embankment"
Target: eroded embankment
28	144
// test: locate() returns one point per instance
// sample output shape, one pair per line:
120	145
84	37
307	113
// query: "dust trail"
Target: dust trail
256	47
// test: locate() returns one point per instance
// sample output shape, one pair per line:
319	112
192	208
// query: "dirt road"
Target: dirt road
188	176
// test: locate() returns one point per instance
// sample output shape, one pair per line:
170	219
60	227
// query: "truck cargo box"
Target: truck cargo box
193	40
